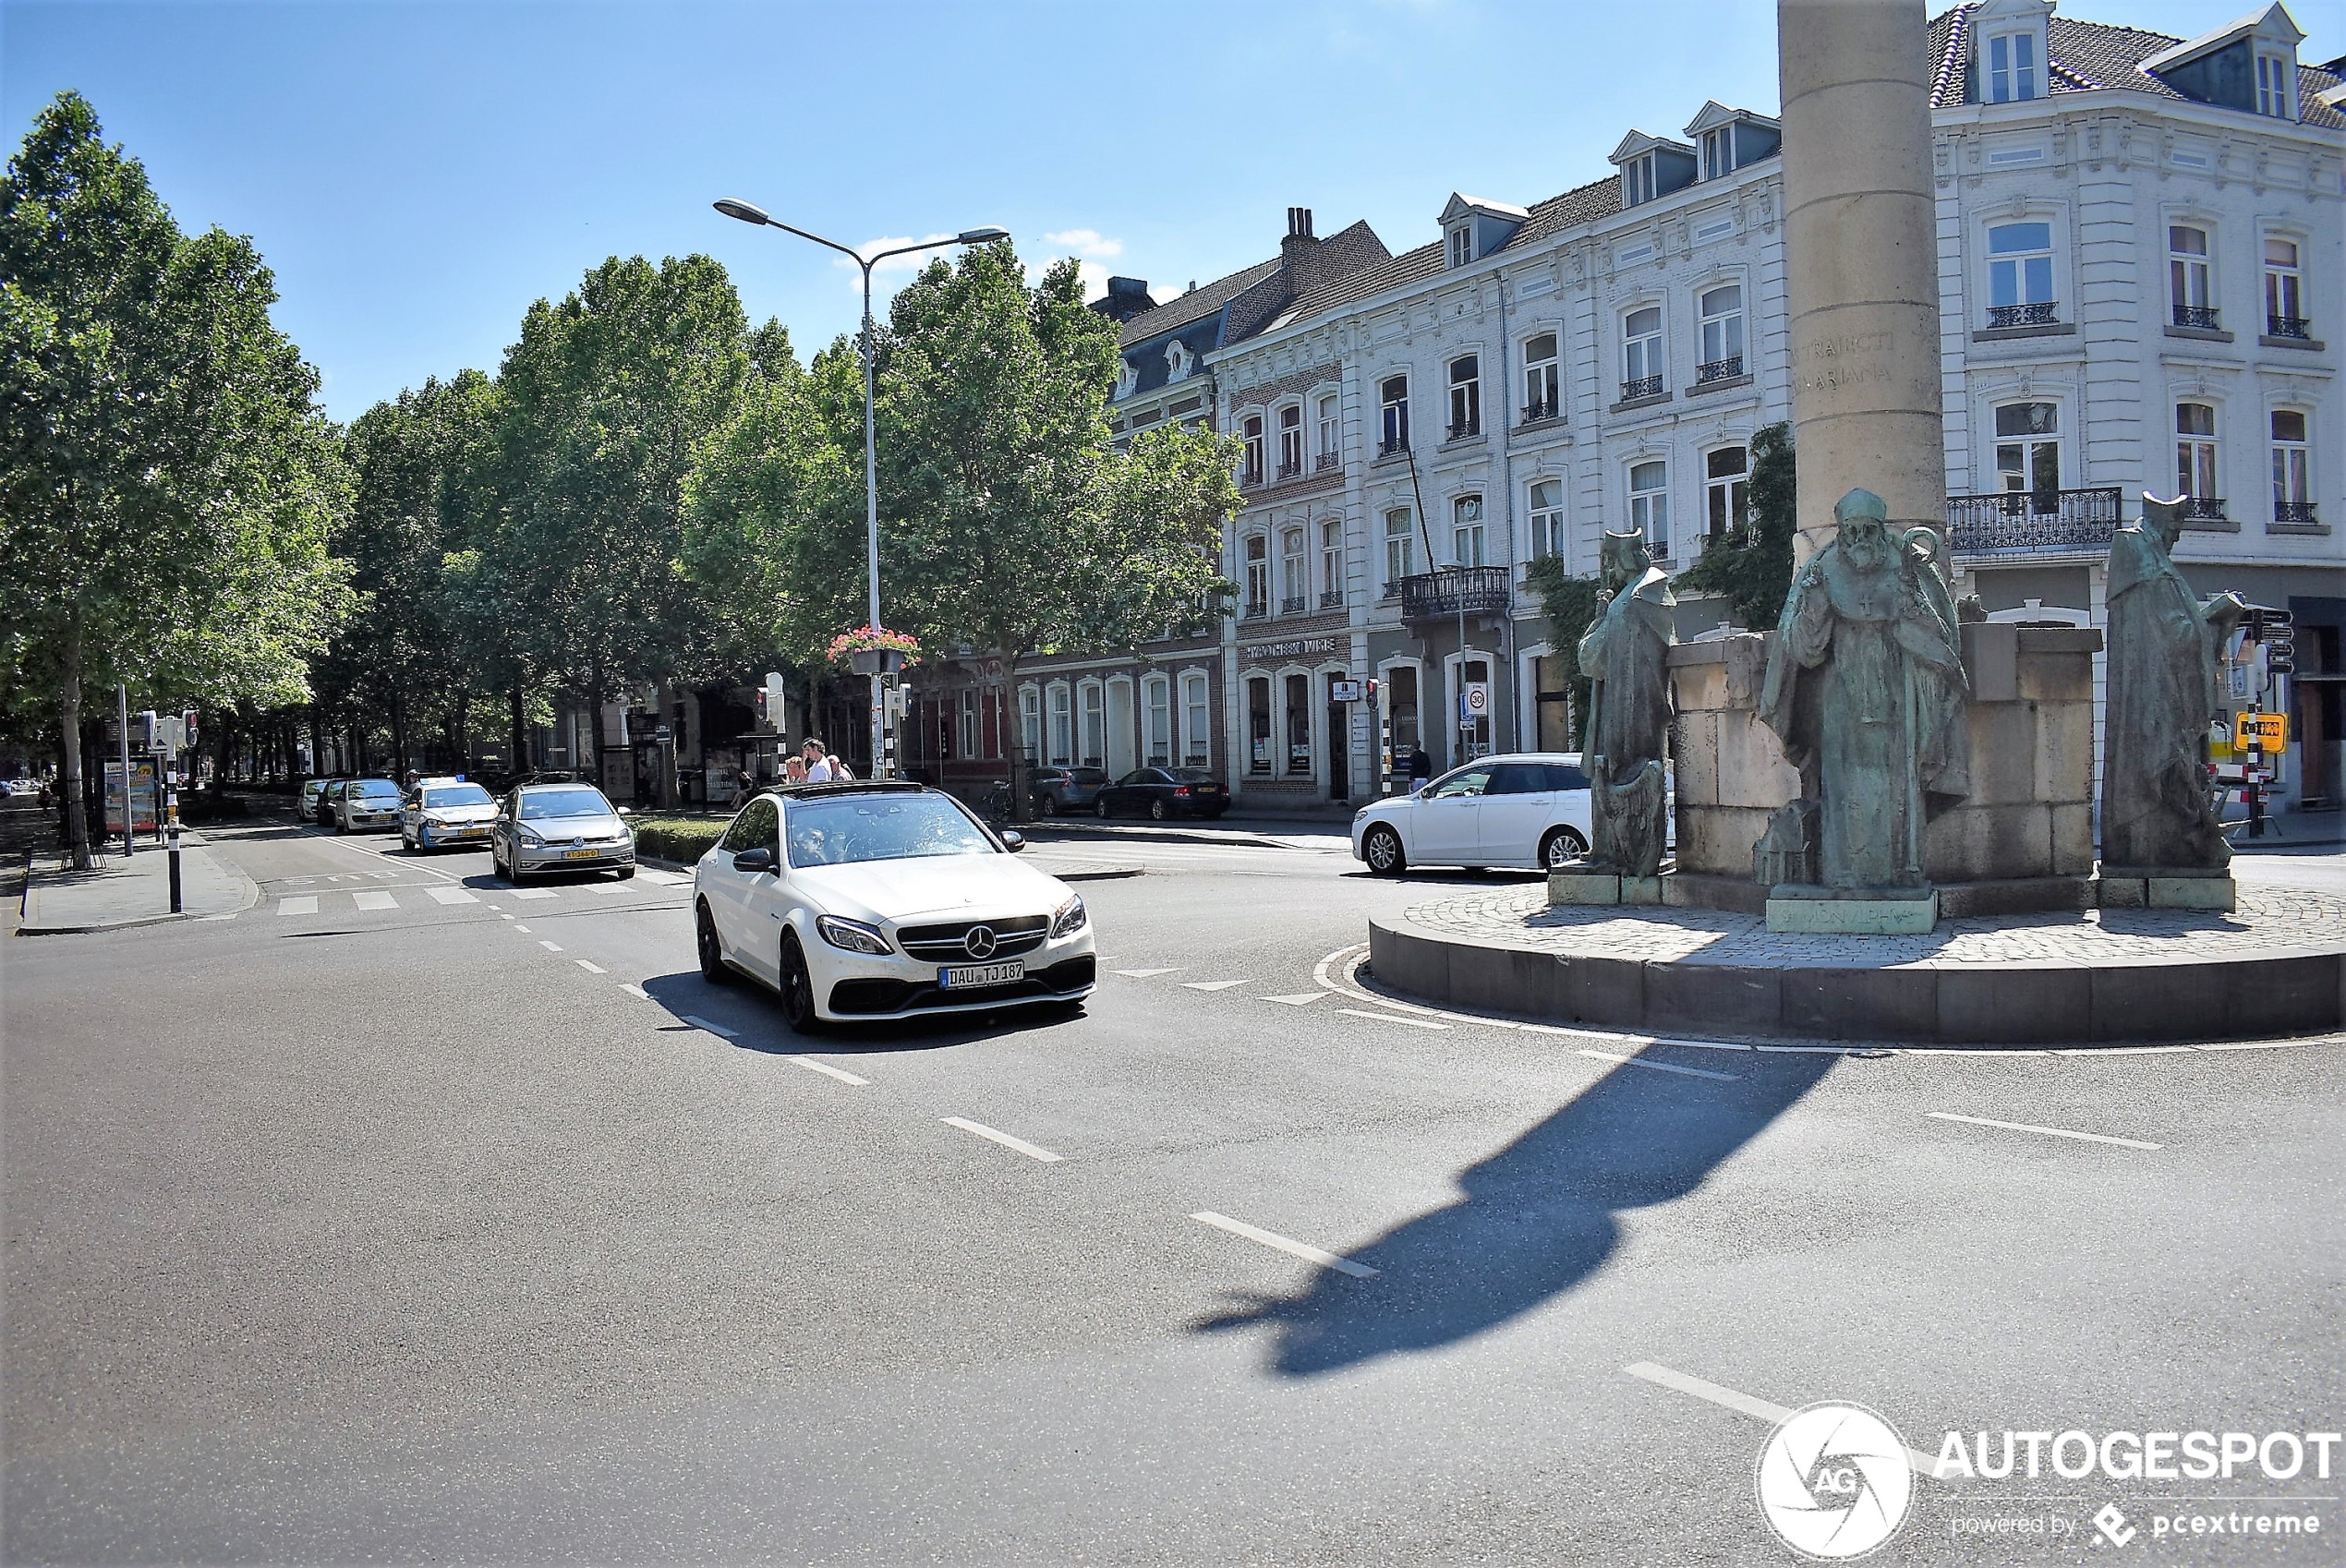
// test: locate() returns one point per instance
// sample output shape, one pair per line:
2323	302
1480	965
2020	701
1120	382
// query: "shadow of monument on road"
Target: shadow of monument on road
1539	1217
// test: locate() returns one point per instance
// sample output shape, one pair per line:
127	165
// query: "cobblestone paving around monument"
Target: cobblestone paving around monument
2269	921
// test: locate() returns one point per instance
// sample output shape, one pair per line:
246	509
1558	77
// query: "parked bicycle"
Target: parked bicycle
995	804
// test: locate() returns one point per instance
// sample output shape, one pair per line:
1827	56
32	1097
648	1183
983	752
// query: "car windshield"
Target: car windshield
880	827
540	803
376	789
456	795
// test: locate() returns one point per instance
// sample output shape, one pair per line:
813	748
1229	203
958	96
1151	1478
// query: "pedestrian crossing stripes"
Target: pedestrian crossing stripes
389	898
451	896
375	901
305	903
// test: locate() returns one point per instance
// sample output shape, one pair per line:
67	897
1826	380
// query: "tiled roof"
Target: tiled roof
2083	56
1583	204
1198	302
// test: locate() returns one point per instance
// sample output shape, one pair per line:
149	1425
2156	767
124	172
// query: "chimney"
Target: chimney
1126	298
1300	238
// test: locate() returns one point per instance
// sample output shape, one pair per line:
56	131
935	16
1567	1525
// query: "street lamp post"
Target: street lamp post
984	234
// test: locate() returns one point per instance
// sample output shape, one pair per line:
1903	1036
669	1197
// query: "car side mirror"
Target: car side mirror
626	811
1015	842
754	861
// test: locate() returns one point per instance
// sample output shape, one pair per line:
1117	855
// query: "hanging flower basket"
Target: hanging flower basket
867	652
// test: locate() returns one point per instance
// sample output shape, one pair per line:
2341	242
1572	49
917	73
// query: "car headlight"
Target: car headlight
1069	917
529	837
851	934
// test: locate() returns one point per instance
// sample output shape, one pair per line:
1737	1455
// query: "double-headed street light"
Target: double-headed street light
984	234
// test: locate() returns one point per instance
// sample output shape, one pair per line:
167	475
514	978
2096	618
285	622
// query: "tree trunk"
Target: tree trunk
1014	737
398	770
69	730
594	718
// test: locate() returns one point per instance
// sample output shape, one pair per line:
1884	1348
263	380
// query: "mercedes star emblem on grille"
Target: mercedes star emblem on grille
979	943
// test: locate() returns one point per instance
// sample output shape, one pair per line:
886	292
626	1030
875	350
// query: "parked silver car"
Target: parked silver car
542	828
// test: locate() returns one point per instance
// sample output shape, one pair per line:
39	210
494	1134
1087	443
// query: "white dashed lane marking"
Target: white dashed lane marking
1210	984
305	903
1285	1244
590	969
1143	974
811	1064
548	946
1302	998
375	901
1391	1018
1031	1150
1660	1066
638	991
1743	1403
451	896
2048	1132
716	1029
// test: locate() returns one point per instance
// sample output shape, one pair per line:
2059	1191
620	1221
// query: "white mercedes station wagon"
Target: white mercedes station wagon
866	902
1519	809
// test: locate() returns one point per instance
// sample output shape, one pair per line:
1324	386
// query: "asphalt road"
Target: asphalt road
405	1217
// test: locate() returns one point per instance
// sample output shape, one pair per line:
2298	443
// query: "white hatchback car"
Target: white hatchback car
858	901
1519	809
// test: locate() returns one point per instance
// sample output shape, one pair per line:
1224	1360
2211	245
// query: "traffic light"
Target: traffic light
760	694
1367	691
188	719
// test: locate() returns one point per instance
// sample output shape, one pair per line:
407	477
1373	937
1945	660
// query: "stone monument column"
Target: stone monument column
1861	261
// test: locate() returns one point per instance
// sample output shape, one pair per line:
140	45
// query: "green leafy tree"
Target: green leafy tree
1569	605
166	479
1751	564
1010	523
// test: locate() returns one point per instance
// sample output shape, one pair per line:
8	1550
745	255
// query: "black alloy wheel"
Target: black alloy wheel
1099	808
797	988
1157	812
712	950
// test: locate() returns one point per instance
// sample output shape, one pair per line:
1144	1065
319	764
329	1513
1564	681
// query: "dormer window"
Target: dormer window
2272	84
1638	181
1177	361
1461	245
1128	381
1717	153
2013	68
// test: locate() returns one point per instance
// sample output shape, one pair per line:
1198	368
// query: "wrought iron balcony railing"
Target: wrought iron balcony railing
1546	409
1292	605
2202	317
1328	460
2043	314
1454	590
2289	327
1249	478
1393	447
1289	470
1256	610
1332	599
1393	588
1719	370
2297	511
1464	430
2013	521
1644	386
2204	509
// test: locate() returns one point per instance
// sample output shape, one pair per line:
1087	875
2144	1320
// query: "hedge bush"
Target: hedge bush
679	839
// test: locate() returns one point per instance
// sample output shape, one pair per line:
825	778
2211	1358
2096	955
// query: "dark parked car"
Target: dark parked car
1057	790
1162	792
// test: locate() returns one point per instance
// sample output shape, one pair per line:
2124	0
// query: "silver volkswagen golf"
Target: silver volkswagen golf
542	828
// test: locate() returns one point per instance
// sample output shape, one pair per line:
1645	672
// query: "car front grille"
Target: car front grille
948	944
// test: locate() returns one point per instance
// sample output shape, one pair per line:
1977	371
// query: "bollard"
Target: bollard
174	831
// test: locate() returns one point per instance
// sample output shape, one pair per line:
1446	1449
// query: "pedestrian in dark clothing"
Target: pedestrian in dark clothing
1421	767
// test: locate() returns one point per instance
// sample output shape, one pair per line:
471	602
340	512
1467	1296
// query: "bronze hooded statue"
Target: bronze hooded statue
1865	688
1623	653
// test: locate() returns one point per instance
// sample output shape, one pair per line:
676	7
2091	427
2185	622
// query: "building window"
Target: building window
1717	153
2292	475
1177	361
1466	396
1401	549
1641	354
2012	67
1726	490
1156	700
1330	432
1721	334
2272	85
1128	381
1093	733
1197	721
1298	724
2187	276
1401	706
1466	532
1396	397
1541	386
2284	291
1547	517
1462	245
1290	440
1029	724
2028	451
2020	291
2195	458
1258	576
1638	181
1250	466
1258	724
1291	583
1650	505
969	745
1331	562
1062	729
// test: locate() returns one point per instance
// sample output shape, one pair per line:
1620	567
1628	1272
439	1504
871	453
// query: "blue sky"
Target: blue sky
418	173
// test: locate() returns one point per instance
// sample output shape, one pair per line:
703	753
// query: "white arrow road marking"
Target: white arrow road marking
1920	1463
1285	1244
305	903
1143	974
717	1029
1031	1150
2048	1132
1302	998
1210	984
811	1064
1660	1066
451	896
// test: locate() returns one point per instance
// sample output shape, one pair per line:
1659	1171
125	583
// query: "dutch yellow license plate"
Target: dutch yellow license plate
582	854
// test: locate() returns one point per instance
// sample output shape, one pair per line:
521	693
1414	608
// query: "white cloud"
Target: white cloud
1093	275
1088	242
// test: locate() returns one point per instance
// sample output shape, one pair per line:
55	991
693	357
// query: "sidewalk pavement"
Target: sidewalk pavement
134	890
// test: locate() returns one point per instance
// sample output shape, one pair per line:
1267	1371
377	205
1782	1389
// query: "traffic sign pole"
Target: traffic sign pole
176	906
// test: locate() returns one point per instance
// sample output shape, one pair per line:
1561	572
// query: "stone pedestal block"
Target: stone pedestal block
2064	753
1752	771
2194	893
1853	917
1694	757
2004	753
1583	887
1994	844
2056	663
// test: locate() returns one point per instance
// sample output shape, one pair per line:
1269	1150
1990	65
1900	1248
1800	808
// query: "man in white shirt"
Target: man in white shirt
818	766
